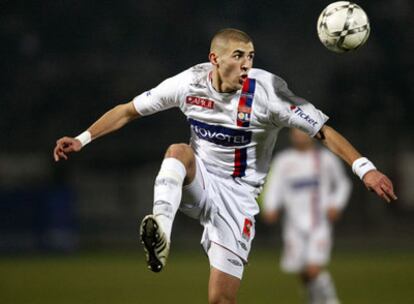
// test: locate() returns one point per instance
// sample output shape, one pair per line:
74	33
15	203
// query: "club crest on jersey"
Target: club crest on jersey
244	108
199	101
298	111
243	116
248	224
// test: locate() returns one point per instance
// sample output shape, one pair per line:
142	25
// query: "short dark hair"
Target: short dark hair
228	34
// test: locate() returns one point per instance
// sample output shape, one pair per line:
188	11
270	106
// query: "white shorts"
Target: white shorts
225	260
301	249
224	207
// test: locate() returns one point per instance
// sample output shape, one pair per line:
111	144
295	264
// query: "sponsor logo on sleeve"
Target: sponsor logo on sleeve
299	112
199	101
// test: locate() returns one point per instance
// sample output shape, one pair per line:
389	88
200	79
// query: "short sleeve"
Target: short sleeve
164	96
288	110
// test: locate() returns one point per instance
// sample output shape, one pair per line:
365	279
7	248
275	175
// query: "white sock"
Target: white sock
328	287
321	290
167	192
314	292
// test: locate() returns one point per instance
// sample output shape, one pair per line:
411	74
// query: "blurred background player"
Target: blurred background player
310	184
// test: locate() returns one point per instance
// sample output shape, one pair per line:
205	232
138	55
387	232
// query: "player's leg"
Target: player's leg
294	252
225	275
313	289
222	287
319	285
318	282
178	168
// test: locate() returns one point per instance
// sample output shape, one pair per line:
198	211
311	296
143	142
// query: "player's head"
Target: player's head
300	140
231	53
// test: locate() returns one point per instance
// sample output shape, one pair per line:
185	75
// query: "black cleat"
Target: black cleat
155	243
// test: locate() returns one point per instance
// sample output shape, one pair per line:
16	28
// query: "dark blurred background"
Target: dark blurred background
68	230
64	63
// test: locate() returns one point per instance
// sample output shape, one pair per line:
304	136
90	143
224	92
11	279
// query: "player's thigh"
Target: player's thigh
195	195
225	260
319	249
226	270
185	154
222	287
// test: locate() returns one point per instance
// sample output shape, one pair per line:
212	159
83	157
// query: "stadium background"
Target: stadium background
68	230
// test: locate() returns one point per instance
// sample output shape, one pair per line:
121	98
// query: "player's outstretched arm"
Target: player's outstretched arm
112	120
373	179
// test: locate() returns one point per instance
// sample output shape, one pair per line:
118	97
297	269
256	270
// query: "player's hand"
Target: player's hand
64	146
333	214
380	184
270	217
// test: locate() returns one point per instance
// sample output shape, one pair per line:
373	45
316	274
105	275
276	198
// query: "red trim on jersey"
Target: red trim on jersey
240	162
244	108
315	199
237	162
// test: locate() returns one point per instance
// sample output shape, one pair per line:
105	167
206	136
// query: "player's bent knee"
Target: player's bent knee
180	151
221	299
185	154
312	271
220	296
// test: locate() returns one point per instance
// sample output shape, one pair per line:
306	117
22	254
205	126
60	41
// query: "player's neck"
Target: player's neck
219	85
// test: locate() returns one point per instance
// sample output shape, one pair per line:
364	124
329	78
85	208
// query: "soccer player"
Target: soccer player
311	186
235	113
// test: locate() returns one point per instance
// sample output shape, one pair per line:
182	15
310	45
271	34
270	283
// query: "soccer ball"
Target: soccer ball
343	26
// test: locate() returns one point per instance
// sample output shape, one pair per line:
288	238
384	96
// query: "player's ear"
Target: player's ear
213	58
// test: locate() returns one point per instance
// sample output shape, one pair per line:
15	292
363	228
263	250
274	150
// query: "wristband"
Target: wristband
362	166
85	138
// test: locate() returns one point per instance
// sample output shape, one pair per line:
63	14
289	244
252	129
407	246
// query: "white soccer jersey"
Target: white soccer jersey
305	184
233	133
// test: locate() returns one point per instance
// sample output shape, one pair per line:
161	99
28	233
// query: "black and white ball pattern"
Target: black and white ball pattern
343	26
